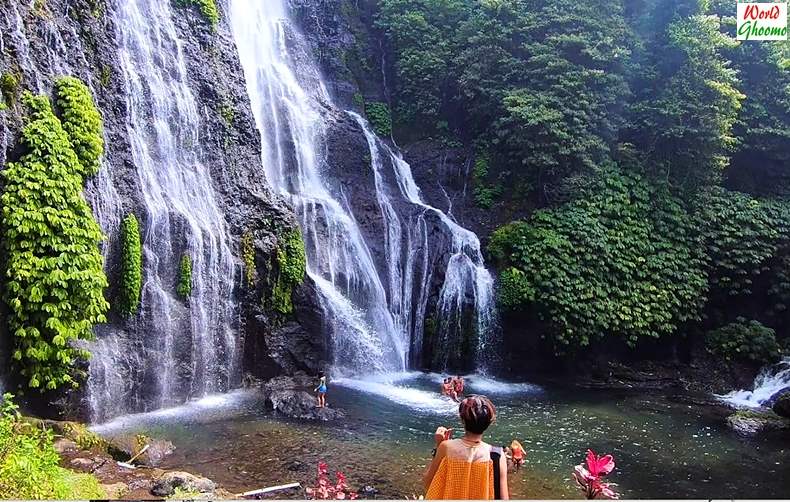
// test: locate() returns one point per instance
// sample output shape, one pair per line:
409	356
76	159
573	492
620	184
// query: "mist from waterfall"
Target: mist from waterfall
375	321
181	348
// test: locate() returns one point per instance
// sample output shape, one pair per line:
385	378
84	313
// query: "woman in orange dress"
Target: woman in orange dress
463	469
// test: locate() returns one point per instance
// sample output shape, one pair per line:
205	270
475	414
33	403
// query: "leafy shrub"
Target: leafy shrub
291	266
55	281
619	260
29	463
131	265
744	341
207	7
378	115
184	287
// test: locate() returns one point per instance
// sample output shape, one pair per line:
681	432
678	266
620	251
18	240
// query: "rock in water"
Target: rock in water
750	422
782	405
166	485
127	446
300	404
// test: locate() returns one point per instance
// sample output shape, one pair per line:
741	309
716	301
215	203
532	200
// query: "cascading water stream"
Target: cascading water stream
465	275
374	321
771	381
188	348
363	332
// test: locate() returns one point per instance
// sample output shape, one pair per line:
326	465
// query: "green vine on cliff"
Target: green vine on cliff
291	264
131	266
184	287
248	256
54	281
81	121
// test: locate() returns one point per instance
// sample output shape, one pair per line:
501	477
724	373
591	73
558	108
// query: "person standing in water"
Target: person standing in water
517	454
467	468
321	389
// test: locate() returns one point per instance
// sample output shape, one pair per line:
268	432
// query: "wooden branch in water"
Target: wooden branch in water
267	490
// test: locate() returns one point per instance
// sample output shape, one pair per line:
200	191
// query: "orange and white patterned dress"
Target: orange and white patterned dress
458	479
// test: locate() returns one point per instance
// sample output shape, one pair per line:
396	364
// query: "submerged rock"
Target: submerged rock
782	405
125	447
166	485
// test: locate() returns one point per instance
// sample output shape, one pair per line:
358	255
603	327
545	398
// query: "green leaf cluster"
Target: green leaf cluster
184	286
9	88
248	256
82	122
131	266
291	266
621	260
378	114
208	8
54	281
484	193
743	340
29	463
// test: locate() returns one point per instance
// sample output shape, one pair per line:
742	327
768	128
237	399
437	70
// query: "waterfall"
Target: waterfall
178	349
767	386
374	318
465	277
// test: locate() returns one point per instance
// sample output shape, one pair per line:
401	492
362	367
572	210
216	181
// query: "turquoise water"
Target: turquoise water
664	447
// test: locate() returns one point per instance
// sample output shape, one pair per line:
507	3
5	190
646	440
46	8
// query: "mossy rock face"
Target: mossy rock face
782	405
750	422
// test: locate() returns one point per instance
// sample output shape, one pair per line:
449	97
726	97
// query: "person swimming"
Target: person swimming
447	386
321	389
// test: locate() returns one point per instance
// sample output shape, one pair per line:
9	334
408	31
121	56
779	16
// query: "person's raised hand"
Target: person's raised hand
442	434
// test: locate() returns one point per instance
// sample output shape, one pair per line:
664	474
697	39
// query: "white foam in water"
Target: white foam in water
203	408
430	401
486	385
768	383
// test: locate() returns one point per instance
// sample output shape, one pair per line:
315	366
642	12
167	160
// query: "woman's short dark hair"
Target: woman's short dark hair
477	413
320	374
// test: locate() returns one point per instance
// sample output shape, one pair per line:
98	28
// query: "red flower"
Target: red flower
324	489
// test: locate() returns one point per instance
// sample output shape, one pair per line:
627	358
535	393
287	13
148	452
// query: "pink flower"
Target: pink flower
324	489
589	479
599	466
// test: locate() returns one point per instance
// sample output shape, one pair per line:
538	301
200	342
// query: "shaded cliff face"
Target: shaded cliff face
43	40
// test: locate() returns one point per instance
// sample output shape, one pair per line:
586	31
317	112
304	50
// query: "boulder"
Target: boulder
782	405
166	485
125	447
300	404
750	422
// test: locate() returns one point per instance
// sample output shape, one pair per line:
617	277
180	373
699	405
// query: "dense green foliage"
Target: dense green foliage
208	8
131	266
184	286
654	145
291	266
54	281
29	463
745	341
618	260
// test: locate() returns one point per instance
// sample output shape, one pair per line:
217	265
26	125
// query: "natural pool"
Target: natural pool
664	445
